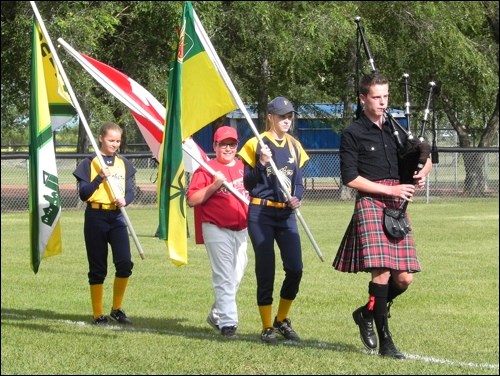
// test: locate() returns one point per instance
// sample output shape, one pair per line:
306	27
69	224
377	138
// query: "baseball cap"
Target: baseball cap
225	132
280	106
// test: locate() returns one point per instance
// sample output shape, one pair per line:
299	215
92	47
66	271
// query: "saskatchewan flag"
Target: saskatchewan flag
197	95
44	197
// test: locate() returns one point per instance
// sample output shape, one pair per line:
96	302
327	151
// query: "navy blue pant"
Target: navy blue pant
103	227
265	225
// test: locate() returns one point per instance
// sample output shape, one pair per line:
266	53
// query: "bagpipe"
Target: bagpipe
413	152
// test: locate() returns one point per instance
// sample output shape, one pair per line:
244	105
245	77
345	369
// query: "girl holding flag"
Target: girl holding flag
104	222
271	215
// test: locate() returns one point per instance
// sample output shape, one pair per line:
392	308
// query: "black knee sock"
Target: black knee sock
379	292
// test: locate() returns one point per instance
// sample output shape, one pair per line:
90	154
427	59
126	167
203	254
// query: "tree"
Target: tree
304	50
85	22
284	48
456	45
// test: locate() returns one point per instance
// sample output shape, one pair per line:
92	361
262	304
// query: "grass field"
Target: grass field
447	322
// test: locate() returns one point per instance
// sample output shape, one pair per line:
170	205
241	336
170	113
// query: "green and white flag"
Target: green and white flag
48	97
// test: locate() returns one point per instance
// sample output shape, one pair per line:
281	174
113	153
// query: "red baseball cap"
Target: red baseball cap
225	132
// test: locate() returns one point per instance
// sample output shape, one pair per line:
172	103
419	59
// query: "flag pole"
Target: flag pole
212	53
229	186
111	182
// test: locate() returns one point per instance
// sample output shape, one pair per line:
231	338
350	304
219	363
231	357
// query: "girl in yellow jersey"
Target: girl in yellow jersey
271	215
104	222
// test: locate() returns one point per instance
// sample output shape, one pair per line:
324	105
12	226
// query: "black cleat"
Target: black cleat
119	316
229	331
285	329
268	336
101	320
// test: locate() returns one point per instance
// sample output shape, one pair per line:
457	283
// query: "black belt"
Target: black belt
264	202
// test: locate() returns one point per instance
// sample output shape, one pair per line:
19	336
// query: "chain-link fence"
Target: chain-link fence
458	173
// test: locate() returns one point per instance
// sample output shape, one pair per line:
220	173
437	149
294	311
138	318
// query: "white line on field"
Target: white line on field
318	345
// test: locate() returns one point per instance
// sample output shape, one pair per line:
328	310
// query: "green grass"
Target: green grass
447	322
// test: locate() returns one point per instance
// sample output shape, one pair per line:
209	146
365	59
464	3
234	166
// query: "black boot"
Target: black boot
387	347
364	320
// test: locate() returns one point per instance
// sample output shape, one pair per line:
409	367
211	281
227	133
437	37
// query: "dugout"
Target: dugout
315	127
318	127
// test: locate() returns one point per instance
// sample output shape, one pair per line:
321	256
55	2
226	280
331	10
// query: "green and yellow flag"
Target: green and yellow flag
48	97
197	95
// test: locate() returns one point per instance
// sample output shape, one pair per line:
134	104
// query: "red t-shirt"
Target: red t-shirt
223	208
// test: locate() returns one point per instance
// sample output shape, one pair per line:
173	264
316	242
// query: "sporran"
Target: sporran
395	224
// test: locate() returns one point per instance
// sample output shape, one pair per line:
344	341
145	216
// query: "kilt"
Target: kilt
365	245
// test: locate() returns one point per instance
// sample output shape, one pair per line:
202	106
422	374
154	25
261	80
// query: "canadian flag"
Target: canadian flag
148	113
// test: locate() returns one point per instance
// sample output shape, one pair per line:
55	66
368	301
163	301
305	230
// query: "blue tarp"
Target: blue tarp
310	130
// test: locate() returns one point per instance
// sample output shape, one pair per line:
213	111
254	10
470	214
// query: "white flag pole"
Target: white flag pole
75	103
202	163
215	59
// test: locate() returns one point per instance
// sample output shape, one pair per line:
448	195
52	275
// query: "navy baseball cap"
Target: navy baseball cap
280	106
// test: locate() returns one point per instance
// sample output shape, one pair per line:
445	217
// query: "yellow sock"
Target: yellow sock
266	316
96	294
283	309
119	287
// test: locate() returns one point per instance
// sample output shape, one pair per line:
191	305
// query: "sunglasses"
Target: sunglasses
231	145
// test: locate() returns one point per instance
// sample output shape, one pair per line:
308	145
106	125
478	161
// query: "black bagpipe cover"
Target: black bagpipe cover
412	158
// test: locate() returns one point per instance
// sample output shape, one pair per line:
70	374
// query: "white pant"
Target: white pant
227	252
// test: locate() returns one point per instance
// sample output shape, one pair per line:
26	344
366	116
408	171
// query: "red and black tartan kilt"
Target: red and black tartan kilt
365	246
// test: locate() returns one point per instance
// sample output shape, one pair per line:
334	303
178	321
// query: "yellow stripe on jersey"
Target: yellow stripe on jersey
104	194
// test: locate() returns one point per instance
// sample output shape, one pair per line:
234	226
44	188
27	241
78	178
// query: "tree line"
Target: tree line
308	51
